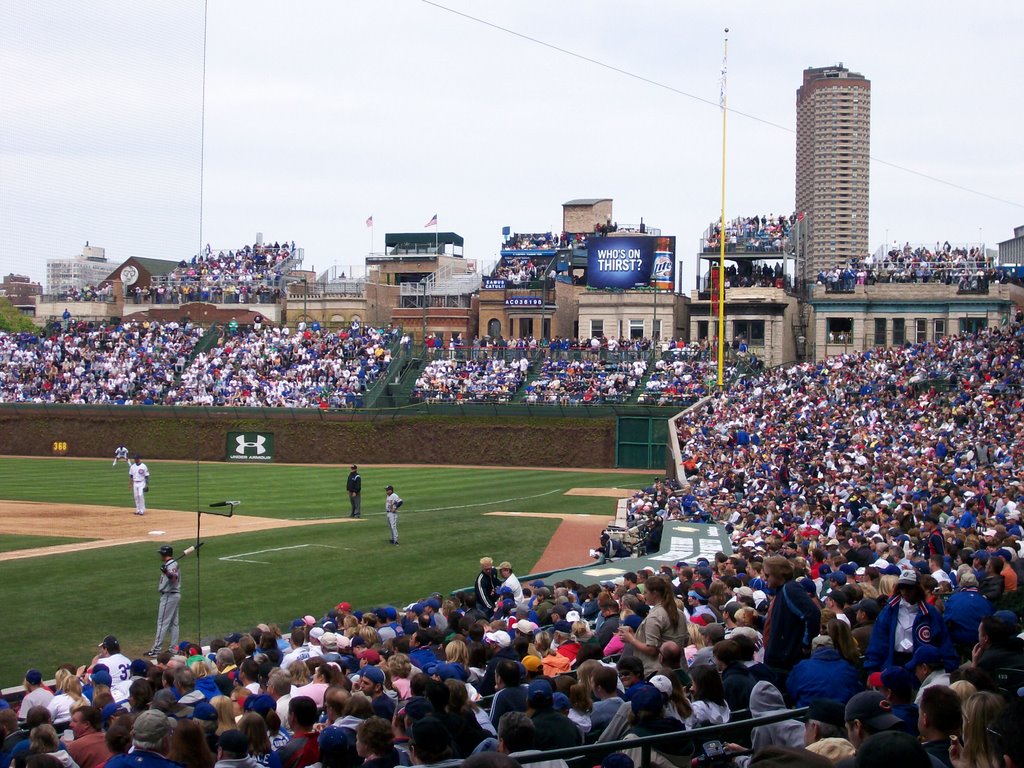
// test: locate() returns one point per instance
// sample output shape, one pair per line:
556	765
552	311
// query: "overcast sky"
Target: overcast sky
320	114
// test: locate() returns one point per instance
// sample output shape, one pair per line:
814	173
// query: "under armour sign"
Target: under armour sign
250	446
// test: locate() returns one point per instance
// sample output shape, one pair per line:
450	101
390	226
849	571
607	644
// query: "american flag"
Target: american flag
432	222
369	222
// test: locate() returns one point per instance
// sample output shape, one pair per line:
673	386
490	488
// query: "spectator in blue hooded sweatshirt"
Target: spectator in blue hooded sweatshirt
825	675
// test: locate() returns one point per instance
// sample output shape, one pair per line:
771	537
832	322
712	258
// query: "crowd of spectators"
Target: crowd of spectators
270	367
250	264
218	293
513	665
150	363
682	376
750	234
89	293
584	382
536	241
966	267
519	270
874	503
480	380
124	364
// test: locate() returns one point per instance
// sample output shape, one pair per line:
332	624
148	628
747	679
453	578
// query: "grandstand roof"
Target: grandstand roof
157	266
588	201
392	239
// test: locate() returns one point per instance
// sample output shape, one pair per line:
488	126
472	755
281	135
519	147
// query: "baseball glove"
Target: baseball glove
146	489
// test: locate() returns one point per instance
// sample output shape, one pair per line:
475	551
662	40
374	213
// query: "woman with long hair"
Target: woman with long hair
255	727
979	712
225	713
188	746
707	698
842	641
664	622
69	697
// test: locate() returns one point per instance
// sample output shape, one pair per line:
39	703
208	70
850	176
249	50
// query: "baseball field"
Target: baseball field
76	564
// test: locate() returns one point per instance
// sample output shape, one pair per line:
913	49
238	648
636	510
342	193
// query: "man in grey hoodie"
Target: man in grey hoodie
766	699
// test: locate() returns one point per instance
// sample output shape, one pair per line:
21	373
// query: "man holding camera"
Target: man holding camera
170	596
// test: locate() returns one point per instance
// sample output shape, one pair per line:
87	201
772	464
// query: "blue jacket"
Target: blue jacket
928	629
826	675
965	609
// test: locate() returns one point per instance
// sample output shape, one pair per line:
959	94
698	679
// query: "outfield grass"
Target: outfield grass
57	608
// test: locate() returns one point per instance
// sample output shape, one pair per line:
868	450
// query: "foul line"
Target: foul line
470	506
239	557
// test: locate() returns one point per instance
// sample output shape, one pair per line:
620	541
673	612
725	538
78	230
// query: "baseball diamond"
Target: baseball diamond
61	542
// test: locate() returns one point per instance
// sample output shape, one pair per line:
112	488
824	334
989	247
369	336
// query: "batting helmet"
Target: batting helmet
166	549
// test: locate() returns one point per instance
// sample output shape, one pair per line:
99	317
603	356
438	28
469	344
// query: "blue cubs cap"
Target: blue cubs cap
102	678
332	739
417	708
924	654
539	691
560	701
390	612
34	677
376	674
563	626
204	711
898	679
1009	618
839	577
646	699
261	703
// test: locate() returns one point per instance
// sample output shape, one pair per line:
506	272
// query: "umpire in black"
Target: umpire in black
354	486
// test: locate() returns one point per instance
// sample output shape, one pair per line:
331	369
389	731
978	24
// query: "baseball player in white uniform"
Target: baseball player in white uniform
120	453
138	478
170	596
391	505
119	666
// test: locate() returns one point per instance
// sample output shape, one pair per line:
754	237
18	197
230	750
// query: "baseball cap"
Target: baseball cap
102	677
34	677
333	738
166	549
560	701
827	711
389	488
524	626
908	577
875	680
540	691
204	711
924	654
354	466
371	655
1009	618
663	684
110	642
151	727
261	703
872	709
897	679
870	608
618	760
646	699
531	663
235	742
344	607
417	708
500	638
376	674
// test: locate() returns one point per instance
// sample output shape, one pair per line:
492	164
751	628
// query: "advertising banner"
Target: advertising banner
494	284
250	446
631	262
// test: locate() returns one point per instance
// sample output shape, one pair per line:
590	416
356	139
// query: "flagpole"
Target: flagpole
371	234
721	244
435	234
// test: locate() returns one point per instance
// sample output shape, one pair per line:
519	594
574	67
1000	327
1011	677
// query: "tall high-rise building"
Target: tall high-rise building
833	145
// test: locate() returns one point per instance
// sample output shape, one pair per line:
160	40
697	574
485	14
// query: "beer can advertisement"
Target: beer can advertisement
631	262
